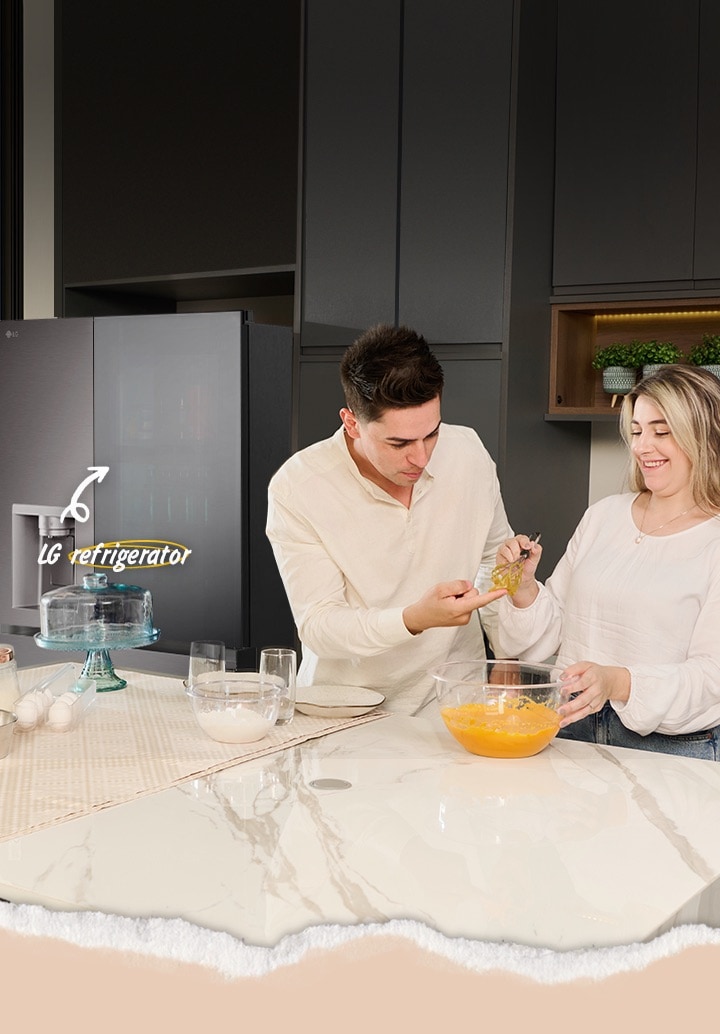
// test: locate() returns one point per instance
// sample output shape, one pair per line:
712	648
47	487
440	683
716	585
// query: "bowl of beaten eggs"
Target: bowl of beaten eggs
499	709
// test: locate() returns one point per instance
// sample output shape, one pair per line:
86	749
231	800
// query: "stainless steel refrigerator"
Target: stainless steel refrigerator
191	414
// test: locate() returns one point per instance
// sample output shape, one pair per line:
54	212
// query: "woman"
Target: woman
633	607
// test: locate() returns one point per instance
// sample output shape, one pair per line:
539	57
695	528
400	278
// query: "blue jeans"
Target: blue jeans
605	727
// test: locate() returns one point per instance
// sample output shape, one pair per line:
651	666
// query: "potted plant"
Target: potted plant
706	353
619	363
654	354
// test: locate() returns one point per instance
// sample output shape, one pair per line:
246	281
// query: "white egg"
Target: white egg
27	712
60	716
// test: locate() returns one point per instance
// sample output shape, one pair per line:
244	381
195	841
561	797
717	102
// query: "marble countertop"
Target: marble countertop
580	846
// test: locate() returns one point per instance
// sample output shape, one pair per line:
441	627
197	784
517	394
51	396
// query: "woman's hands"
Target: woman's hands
591	686
510	551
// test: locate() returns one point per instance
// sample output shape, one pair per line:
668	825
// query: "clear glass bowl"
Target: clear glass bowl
235	710
499	709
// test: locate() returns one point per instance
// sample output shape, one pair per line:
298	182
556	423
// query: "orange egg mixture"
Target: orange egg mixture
518	730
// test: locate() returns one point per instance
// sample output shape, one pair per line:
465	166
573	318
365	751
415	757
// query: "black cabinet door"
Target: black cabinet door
626	141
179	132
352	84
454	168
707	234
407	111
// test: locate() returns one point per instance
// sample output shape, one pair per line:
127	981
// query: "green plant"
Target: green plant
617	354
657	352
706	352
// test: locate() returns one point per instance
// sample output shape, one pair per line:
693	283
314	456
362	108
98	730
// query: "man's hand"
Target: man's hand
446	605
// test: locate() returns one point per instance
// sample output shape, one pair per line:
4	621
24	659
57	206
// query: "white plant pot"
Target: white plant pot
618	380
650	368
712	369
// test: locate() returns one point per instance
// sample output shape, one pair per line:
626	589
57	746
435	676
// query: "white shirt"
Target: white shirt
352	558
652	607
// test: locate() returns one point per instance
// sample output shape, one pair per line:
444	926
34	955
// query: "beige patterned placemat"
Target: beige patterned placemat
130	743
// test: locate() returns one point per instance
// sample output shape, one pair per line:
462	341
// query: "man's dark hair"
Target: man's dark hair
389	368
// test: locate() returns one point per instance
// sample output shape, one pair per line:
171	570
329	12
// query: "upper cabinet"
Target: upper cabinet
178	129
637	153
707	229
454	168
350	197
407	113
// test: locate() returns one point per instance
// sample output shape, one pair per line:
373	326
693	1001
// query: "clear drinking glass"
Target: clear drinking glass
207	658
280	664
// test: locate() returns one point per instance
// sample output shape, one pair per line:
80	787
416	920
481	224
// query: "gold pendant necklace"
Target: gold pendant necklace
643	534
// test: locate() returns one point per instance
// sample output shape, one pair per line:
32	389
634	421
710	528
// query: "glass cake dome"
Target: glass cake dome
97	616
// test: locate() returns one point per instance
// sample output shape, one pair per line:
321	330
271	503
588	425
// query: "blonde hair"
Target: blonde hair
689	399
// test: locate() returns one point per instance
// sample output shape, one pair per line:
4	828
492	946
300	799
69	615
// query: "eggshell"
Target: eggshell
60	717
27	713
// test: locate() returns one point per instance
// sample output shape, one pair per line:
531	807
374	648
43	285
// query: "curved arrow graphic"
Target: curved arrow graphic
76	509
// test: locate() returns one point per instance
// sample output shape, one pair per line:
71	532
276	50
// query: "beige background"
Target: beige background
367	986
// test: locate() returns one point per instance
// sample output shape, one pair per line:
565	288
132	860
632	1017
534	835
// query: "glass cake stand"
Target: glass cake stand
98	642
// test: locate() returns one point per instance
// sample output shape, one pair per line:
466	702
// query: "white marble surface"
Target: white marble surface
580	846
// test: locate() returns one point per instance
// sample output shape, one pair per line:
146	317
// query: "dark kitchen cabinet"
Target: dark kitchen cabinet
177	131
627	89
638	151
707	229
407	111
351	124
454	172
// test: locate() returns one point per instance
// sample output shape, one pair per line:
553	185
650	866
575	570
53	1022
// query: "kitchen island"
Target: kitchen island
580	846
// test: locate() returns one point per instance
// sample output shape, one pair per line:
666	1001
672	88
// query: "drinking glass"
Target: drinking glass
483	578
207	658
280	665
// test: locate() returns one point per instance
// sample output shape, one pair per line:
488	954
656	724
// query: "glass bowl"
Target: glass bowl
235	710
499	709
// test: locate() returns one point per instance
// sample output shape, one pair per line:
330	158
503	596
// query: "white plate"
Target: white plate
336	701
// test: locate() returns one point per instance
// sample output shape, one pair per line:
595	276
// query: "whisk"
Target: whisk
508	576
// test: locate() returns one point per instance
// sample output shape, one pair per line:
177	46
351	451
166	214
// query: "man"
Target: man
379	531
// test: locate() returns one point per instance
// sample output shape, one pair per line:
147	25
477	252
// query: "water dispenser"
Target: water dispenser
41	544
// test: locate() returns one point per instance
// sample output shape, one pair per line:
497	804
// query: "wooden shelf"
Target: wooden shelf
578	329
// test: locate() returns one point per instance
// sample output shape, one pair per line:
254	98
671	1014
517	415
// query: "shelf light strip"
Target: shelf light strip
656	315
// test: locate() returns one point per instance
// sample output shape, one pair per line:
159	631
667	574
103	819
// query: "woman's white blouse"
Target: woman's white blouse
652	607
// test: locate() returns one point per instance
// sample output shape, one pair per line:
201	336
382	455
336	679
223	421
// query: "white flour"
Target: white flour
234	725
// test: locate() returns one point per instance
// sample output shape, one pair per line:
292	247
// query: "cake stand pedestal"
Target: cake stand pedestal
98	665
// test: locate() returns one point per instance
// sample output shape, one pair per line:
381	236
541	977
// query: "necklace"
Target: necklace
643	534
